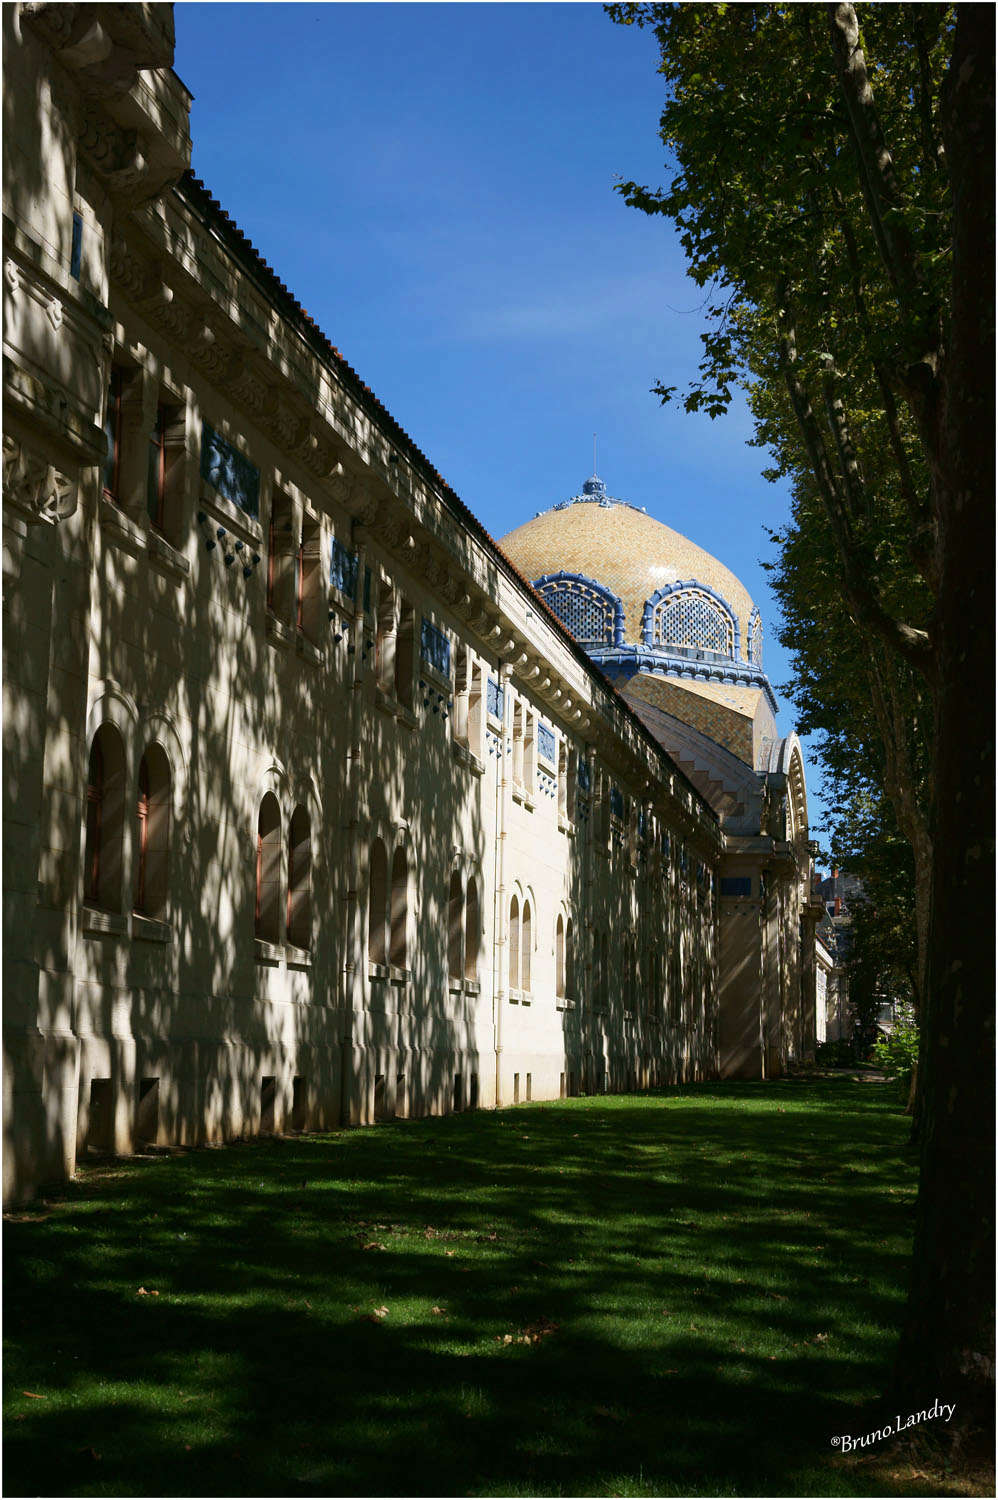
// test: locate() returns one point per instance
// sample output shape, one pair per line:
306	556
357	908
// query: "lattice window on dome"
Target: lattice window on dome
755	639
588	614
689	618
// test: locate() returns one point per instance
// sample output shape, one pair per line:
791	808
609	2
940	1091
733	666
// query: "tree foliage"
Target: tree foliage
834	190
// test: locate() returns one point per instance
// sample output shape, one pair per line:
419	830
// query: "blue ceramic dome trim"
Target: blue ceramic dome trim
573	596
594	493
627	660
729	618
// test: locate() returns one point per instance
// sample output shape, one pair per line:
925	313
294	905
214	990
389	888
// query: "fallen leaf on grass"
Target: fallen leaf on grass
532	1334
373	1245
441	1312
34	1395
381	1312
143	1293
450	1252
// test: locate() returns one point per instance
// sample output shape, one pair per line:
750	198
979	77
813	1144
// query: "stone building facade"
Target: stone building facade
315	812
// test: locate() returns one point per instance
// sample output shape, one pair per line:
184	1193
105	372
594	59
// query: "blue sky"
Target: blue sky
434	182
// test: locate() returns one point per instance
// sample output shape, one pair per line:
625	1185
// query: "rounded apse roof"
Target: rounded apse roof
641	563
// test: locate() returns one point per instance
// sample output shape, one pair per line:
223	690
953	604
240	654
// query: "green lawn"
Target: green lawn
684	1292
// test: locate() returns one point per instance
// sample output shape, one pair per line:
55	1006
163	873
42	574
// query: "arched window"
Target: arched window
268	870
525	928
455	925
689	615
399	909
559	957
152	843
590	612
569	962
300	879
514	943
377	905
471	930
105	820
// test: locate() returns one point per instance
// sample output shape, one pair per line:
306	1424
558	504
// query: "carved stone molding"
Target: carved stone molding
35	488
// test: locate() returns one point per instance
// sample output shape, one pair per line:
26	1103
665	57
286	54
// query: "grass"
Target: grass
680	1293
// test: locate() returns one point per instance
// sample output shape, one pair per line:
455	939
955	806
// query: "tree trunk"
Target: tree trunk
947	1346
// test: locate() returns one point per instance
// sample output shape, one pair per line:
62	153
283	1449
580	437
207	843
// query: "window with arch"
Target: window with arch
472	926
455	927
590	612
559	957
105	820
377	905
299	916
526	937
689	616
399	912
152	834
268	870
514	943
569	960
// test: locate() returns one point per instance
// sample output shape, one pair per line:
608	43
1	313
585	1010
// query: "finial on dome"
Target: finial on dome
594	487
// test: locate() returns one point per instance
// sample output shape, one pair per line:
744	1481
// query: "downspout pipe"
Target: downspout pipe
500	947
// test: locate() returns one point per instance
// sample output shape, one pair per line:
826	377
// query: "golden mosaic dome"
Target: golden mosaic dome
618	579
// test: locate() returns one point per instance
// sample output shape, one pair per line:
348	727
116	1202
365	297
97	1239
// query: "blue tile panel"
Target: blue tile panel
616	801
545	742
435	647
496	695
230	472
343	568
585	781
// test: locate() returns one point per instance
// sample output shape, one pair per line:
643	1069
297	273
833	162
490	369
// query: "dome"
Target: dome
617	578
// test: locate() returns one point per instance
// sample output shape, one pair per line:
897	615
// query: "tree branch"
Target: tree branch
912	644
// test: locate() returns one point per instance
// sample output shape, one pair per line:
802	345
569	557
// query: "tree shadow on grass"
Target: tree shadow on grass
689	1291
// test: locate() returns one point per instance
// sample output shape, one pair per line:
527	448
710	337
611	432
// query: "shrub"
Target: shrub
897	1054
